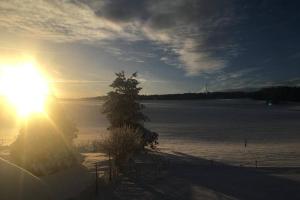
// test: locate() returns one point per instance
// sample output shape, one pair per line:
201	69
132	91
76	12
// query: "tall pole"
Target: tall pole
96	168
109	166
206	90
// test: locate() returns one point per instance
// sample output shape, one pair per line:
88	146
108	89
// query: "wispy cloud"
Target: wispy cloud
65	81
56	20
190	29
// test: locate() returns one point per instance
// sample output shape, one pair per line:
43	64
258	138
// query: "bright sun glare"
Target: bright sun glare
25	87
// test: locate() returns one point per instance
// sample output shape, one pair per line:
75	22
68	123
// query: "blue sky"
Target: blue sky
176	46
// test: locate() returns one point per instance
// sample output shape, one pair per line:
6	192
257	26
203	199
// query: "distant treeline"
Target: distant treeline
272	94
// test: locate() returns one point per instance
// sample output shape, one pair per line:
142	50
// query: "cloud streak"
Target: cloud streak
191	30
58	21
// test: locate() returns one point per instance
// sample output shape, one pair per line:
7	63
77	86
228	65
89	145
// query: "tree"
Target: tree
44	144
123	109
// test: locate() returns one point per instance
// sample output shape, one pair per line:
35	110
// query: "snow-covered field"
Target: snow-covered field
212	129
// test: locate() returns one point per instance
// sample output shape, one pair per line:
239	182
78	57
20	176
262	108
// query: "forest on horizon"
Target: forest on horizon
276	94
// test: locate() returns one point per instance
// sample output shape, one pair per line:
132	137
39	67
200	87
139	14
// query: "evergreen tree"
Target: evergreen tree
123	109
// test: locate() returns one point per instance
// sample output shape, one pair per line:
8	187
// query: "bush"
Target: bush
149	138
122	143
44	144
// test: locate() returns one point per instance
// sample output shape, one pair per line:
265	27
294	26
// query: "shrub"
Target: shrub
44	144
122	143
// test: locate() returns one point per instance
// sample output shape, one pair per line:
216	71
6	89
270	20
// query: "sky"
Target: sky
176	46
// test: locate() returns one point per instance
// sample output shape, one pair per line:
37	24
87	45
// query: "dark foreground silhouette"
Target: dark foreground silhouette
182	176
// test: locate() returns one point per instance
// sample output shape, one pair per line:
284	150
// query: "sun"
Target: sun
25	87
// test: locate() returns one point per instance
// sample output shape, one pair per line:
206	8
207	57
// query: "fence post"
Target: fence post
96	168
109	166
